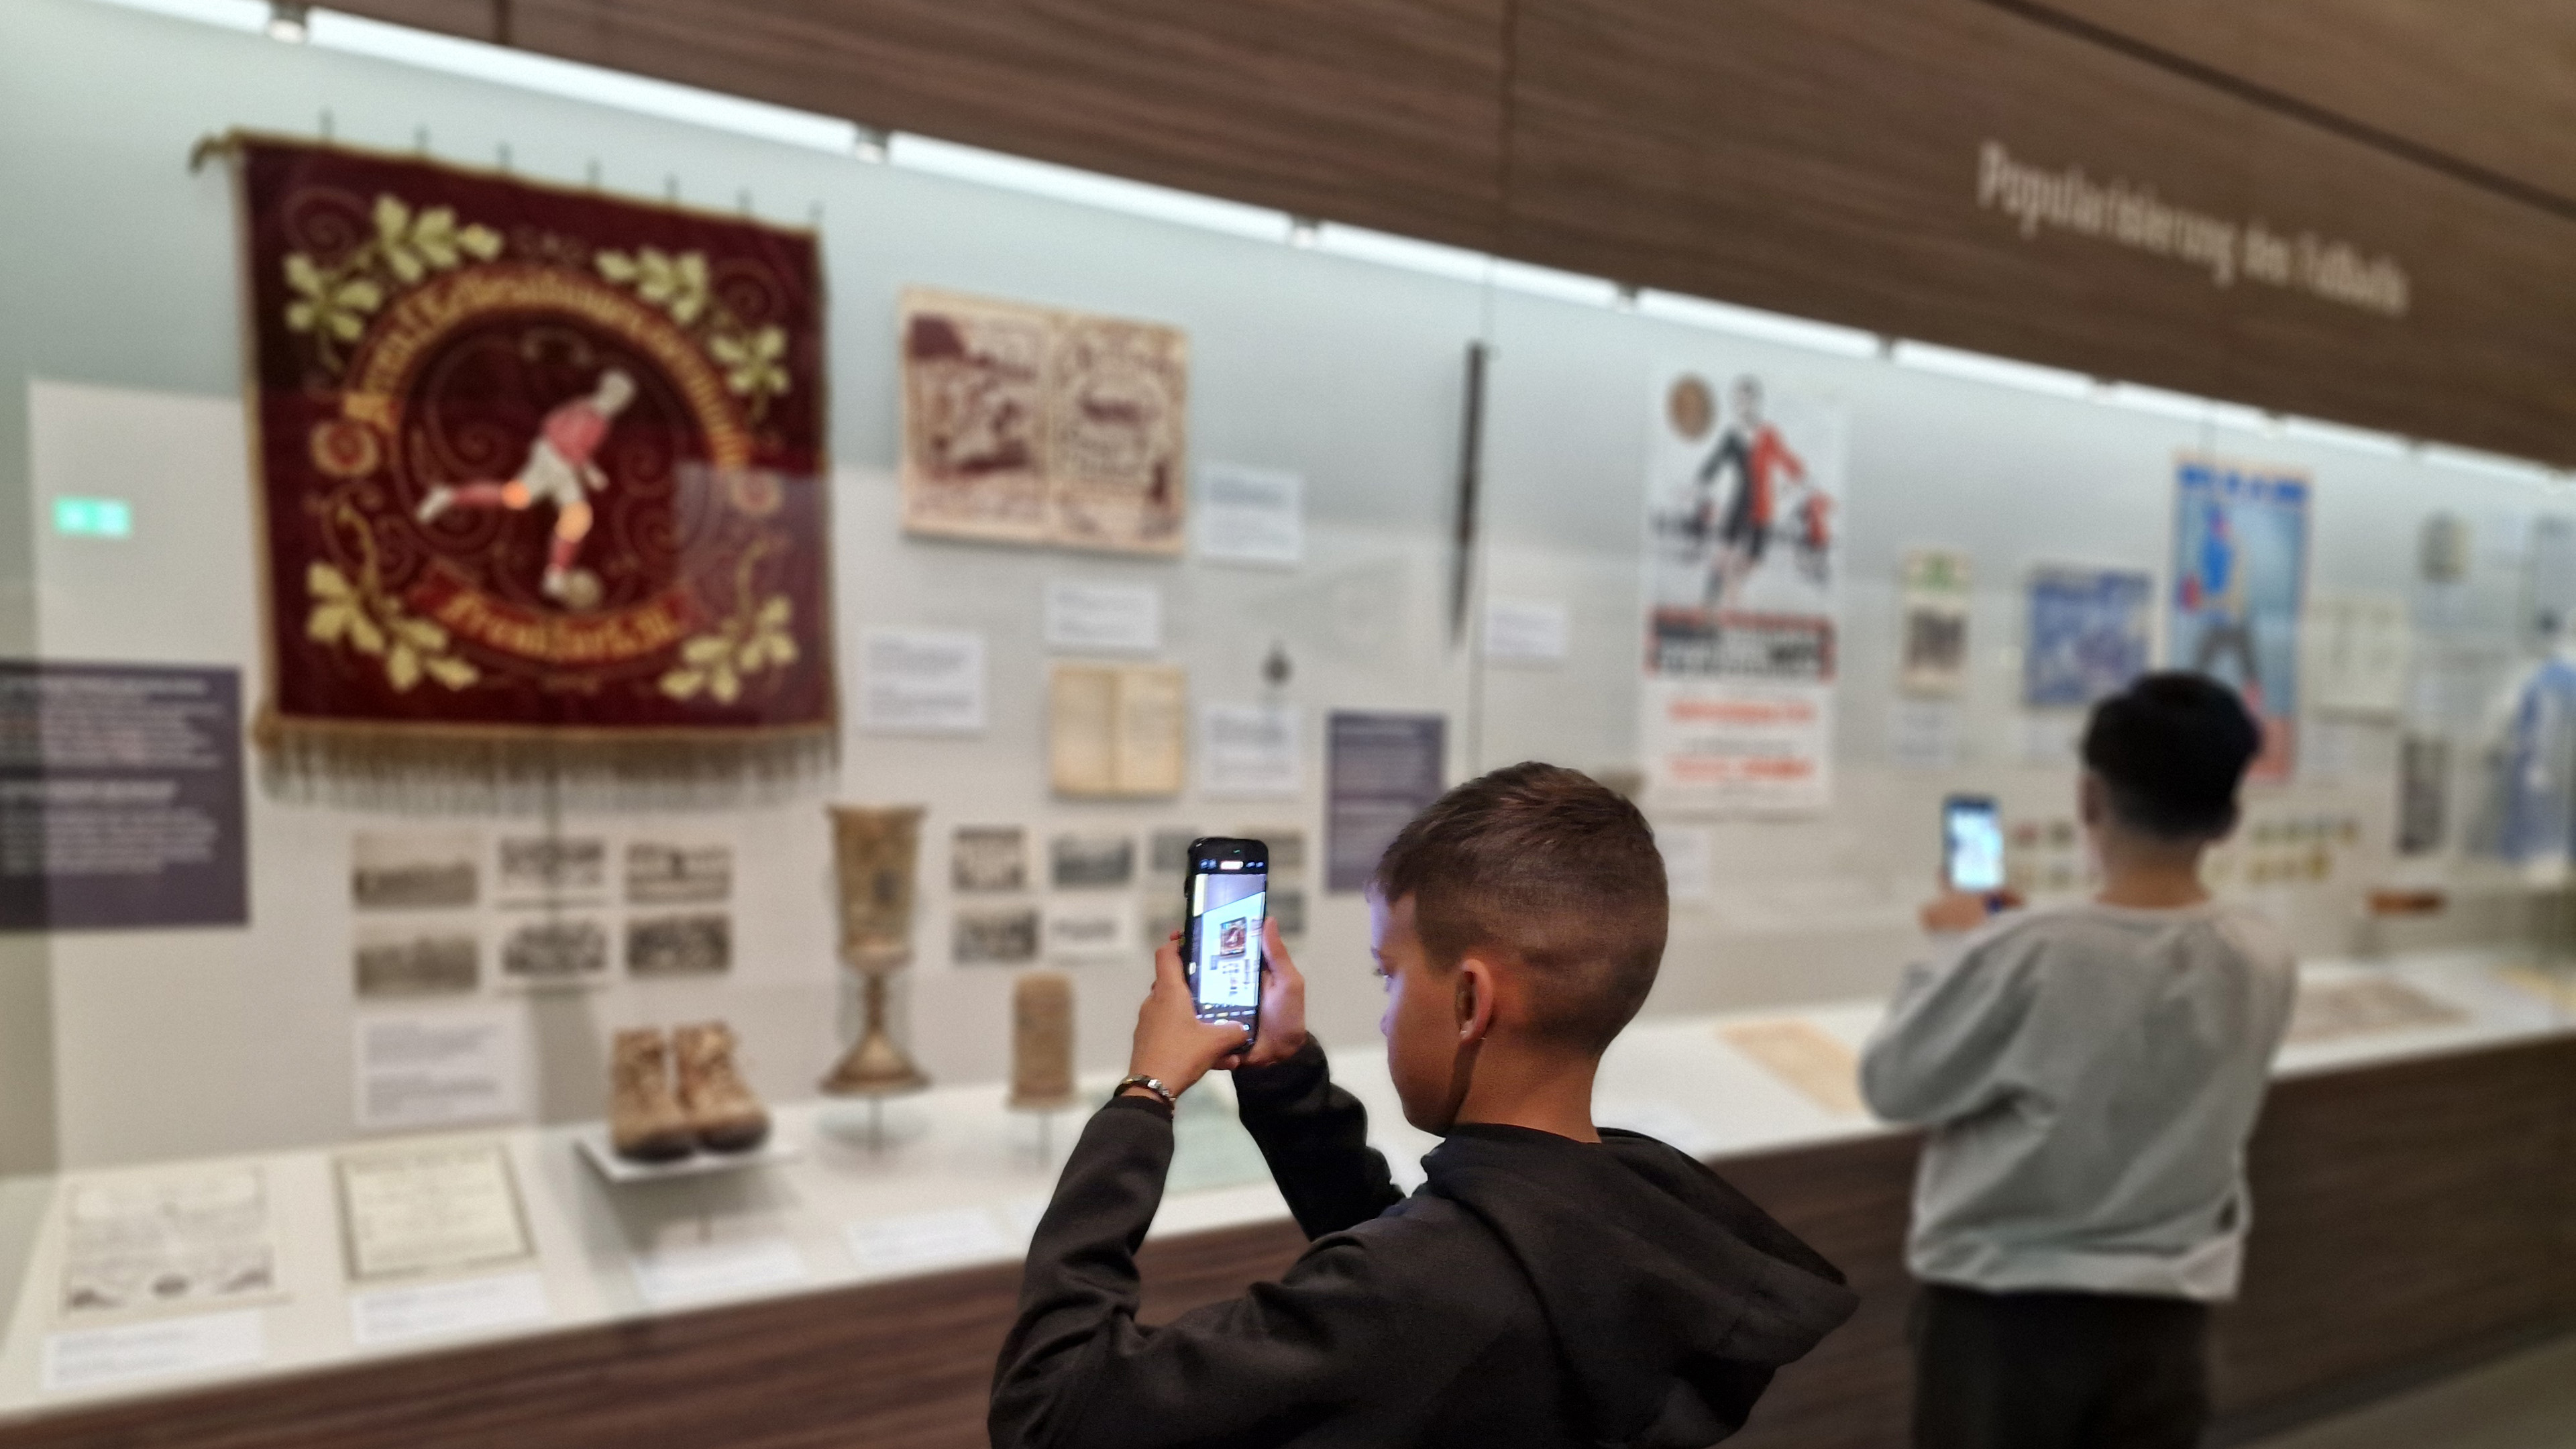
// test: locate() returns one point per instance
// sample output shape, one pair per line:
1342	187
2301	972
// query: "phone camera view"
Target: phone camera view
1227	899
1976	848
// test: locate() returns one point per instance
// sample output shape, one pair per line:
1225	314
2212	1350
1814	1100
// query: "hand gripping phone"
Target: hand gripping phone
1225	897
1972	844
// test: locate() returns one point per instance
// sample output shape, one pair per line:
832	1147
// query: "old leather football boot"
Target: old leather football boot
645	1121
720	1105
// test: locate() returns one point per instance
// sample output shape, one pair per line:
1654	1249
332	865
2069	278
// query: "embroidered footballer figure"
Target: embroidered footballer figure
560	471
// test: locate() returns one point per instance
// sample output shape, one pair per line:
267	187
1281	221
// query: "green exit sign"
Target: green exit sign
93	517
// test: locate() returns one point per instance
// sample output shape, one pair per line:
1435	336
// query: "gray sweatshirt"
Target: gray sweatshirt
2089	1075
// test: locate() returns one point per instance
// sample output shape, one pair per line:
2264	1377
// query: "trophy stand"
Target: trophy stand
874	850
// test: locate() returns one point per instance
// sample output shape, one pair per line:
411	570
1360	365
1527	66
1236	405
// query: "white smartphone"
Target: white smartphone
1972	844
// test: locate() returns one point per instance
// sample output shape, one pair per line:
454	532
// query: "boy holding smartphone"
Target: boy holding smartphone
2090	1075
1551	1284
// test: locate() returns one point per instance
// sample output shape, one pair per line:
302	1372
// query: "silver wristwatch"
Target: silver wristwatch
1171	1099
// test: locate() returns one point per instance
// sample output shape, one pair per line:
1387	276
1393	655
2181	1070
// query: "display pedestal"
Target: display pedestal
592	1143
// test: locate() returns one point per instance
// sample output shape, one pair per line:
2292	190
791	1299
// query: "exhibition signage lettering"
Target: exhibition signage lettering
539	469
2065	199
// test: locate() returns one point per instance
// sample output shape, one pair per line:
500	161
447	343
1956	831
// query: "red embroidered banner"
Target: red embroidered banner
538	467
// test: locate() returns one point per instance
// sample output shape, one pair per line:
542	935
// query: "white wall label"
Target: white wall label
919	1241
695	1272
1923	734
922	681
438	1068
163	1348
1248	750
437	1310
1103	617
1525	631
1690	853
1251	515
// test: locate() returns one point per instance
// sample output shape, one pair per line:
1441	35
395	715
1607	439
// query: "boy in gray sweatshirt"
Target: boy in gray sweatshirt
2089	1075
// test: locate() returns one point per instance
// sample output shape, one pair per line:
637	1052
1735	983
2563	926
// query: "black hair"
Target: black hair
2171	749
1556	870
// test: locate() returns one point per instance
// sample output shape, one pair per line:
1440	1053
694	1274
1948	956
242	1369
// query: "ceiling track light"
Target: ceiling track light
872	143
290	22
1304	232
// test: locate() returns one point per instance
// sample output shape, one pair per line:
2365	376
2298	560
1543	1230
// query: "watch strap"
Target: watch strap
1171	1099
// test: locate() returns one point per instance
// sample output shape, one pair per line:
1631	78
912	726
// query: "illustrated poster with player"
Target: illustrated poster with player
2239	579
538	468
1744	495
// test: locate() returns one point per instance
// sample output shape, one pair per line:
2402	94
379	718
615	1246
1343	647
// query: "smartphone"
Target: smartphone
1226	896
1972	844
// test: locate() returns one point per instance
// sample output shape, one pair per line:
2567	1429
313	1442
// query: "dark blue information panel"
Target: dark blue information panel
1380	770
120	797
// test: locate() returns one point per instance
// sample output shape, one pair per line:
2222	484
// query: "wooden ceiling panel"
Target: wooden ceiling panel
1381	113
2490	83
1820	158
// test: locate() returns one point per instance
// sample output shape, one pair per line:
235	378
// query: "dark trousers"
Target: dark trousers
2058	1370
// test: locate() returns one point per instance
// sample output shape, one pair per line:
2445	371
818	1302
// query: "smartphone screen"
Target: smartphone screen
1972	844
1228	894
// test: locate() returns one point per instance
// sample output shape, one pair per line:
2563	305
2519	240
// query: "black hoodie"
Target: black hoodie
1536	1291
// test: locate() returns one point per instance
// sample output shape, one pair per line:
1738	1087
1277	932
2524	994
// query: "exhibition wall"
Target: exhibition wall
120	333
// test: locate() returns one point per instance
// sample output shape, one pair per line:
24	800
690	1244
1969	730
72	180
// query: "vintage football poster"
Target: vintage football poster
2240	581
1744	495
1026	424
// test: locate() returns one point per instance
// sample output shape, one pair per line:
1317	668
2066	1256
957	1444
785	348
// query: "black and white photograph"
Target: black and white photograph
694	944
1168	851
413	870
995	936
552	867
1288	908
989	858
672	873
439	960
566	950
1091	862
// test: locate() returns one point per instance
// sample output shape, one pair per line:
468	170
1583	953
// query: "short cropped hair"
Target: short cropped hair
2171	749
1548	865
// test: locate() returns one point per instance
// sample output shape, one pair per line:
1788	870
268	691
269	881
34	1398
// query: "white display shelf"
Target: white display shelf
592	1143
952	1178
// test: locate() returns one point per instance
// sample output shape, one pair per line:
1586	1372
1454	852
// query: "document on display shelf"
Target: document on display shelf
430	1208
167	1240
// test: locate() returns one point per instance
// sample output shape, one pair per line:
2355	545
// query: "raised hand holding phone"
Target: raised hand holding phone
1172	1045
1972	867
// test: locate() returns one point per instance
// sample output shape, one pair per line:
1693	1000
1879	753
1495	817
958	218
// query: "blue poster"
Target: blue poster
2088	635
2240	572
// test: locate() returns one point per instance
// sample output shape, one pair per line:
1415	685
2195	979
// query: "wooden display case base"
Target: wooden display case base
2408	1214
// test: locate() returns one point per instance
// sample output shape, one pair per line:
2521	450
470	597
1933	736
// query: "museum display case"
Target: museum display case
603	713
